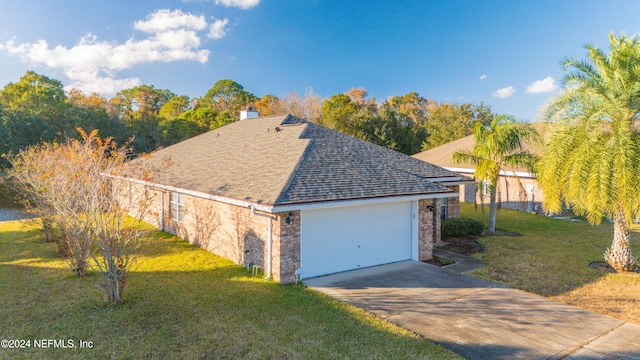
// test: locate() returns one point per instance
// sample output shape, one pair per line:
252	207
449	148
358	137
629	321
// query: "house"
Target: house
517	187
295	198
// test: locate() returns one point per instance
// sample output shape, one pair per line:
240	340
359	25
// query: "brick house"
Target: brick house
297	199
517	187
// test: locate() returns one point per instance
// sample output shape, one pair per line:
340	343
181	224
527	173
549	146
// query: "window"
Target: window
176	206
485	187
443	208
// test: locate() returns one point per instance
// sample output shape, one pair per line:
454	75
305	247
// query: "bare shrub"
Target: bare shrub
72	184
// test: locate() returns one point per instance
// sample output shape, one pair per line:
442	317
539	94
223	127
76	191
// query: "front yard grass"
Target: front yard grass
551	259
181	303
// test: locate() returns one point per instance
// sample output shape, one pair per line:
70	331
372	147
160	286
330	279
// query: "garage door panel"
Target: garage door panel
340	239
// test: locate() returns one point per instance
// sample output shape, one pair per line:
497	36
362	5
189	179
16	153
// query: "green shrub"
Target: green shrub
461	226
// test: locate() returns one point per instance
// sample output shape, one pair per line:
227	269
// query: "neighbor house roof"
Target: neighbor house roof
278	160
443	154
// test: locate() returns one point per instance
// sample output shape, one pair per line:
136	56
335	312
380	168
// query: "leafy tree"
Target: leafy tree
203	116
145	100
391	125
222	119
175	107
500	143
77	97
139	108
35	94
34	109
409	114
90	112
267	105
176	130
412	105
338	113
591	161
449	122
227	95
19	132
375	128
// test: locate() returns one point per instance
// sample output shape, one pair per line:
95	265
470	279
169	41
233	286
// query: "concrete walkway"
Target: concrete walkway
479	319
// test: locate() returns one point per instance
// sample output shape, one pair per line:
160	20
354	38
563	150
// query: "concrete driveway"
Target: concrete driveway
478	319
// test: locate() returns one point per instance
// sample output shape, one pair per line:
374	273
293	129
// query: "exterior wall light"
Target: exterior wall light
289	219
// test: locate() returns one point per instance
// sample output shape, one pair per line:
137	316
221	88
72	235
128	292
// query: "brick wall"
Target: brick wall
286	247
428	227
513	193
138	200
468	193
453	203
230	231
226	230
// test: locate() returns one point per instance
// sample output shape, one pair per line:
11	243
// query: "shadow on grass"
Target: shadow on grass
182	302
24	245
550	258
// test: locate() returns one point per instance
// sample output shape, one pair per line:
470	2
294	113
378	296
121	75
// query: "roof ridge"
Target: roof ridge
302	157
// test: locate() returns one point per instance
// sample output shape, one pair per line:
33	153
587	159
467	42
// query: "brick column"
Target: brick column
426	228
286	247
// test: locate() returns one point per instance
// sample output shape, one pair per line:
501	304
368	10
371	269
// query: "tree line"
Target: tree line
37	110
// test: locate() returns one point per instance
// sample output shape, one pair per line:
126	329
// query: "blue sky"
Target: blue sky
505	53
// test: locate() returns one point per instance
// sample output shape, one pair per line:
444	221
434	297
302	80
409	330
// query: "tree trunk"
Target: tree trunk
114	279
47	229
492	208
619	254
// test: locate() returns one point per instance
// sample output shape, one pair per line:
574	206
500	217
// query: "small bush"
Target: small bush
461	227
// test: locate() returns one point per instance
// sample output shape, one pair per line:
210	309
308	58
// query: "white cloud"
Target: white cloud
545	85
483	76
165	19
242	4
217	29
91	65
504	92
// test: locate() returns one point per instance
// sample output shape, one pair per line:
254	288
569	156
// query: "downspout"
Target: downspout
162	210
269	240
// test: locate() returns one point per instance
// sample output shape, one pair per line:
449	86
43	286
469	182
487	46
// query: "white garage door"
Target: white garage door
347	238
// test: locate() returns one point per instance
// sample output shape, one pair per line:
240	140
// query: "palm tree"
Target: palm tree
498	144
592	159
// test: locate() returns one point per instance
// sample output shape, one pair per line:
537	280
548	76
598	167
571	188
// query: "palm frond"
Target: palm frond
591	158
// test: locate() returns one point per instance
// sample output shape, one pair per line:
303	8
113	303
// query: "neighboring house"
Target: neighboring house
517	187
297	199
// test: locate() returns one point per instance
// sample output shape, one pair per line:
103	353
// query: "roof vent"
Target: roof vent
249	113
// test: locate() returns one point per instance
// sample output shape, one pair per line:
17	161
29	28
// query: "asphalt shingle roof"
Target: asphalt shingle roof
443	155
280	160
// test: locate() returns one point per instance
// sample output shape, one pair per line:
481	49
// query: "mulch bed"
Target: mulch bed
438	261
465	245
468	245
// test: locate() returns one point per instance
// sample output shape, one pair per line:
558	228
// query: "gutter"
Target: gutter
521	174
269	241
199	194
365	201
268	208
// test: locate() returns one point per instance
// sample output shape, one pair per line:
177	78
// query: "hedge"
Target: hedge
460	227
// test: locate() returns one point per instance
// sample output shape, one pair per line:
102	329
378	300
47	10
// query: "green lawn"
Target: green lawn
551	257
182	303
